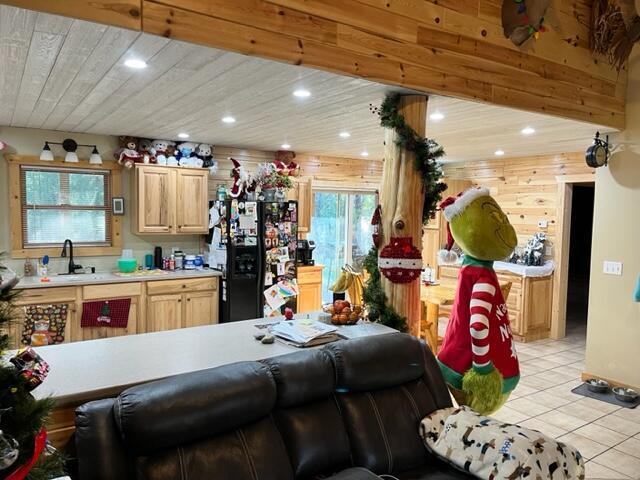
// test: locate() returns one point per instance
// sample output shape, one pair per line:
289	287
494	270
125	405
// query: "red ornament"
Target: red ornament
400	261
376	220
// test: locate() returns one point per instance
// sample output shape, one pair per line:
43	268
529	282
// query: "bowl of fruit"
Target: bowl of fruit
343	313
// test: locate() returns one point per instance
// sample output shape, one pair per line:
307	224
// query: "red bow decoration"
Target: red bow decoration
23	470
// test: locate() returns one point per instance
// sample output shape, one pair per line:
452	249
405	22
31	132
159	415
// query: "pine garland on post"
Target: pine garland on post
427	152
22	416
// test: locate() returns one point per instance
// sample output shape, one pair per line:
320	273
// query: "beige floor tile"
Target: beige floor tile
546	428
587	448
541	364
554	378
580	365
564	358
582	411
549	399
571	371
527	369
535	381
563	392
509	415
562	420
631	446
603	407
601	434
526	406
631	414
619	424
595	471
620	462
522	391
524	356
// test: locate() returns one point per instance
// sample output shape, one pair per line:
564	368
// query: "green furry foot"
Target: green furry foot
483	391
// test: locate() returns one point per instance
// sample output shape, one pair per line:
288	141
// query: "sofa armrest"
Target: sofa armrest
101	453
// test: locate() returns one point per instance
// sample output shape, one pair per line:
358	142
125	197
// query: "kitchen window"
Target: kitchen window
60	203
341	229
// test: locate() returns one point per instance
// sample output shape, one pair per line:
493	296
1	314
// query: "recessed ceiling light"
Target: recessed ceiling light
285	146
436	116
135	63
528	130
302	93
228	119
345	134
183	135
364	153
499	153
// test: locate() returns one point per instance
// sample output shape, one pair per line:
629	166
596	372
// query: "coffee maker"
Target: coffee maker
305	252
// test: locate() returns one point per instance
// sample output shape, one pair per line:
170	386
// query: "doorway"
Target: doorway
579	259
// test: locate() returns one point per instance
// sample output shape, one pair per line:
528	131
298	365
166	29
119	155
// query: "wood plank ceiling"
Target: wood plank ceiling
64	74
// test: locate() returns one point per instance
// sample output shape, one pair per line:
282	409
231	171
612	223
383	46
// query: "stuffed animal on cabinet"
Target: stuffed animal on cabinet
478	357
128	153
160	150
204	151
186	155
284	163
146	150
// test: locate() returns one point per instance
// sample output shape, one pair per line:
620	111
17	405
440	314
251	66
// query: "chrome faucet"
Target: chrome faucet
72	266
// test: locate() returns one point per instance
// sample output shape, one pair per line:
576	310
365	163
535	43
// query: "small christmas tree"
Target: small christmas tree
23	451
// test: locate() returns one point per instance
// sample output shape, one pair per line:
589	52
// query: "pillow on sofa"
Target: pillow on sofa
489	449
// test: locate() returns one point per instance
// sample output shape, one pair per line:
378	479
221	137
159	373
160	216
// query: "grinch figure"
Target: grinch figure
478	357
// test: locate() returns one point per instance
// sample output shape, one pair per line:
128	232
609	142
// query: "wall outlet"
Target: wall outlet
543	224
612	268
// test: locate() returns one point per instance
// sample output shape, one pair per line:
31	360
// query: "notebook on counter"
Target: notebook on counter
305	333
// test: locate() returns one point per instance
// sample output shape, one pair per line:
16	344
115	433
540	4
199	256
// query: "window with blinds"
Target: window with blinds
60	203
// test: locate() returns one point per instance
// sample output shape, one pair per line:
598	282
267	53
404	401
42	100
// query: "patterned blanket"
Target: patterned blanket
492	450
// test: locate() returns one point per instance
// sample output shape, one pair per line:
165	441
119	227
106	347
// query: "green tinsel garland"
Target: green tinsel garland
427	152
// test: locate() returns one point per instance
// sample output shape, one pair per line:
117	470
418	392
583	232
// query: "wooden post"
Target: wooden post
402	198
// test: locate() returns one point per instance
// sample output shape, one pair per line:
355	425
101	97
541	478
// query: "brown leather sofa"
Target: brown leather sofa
349	411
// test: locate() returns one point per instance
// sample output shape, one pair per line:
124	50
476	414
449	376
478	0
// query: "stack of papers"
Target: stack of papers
305	333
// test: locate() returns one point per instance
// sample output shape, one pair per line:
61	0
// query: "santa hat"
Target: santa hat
236	164
454	206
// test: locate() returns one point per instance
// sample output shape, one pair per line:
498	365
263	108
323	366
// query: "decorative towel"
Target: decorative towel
106	313
491	449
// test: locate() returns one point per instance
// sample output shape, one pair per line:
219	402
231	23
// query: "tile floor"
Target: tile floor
606	435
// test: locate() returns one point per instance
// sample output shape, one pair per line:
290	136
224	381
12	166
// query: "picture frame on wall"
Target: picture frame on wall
117	206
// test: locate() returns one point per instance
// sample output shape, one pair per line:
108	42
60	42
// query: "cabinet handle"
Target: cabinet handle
188	299
179	300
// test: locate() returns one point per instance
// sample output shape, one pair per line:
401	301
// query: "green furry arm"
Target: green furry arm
483	390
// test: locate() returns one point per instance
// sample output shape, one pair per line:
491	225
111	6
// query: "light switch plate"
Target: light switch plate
543	224
612	268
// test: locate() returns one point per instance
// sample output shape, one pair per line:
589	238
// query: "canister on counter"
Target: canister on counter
199	262
190	262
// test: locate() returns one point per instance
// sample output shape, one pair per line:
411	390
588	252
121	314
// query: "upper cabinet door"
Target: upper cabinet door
192	204
156	199
305	203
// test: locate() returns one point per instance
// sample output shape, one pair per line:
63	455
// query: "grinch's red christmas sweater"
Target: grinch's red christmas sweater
478	333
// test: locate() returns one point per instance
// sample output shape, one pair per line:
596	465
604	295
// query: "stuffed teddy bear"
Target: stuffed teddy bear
128	153
186	154
204	151
478	358
160	148
146	150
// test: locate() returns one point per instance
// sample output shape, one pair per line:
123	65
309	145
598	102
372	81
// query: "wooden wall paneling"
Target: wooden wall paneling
566	79
121	13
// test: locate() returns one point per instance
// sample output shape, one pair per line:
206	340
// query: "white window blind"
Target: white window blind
59	203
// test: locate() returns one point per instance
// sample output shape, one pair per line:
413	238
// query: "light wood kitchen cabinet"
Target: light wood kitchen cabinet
164	312
170	200
303	193
310	288
91	293
191	302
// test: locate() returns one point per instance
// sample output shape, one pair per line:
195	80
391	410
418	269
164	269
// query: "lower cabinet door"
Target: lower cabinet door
164	312
201	308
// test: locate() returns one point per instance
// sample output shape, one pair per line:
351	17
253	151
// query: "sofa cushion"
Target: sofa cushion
186	408
307	414
375	362
250	452
355	473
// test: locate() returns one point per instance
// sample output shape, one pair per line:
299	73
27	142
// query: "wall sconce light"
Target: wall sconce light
70	146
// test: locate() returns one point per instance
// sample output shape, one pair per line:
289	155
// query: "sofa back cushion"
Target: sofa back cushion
385	386
214	422
307	414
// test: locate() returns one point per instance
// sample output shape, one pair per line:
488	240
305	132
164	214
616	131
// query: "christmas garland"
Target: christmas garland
427	153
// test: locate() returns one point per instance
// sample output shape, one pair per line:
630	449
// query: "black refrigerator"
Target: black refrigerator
255	247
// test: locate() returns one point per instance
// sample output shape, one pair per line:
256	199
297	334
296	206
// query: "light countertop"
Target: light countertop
102	278
94	369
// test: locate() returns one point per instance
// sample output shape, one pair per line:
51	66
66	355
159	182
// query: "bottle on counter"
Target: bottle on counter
172	262
28	268
179	256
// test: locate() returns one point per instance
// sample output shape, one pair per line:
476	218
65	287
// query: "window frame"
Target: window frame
15	162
